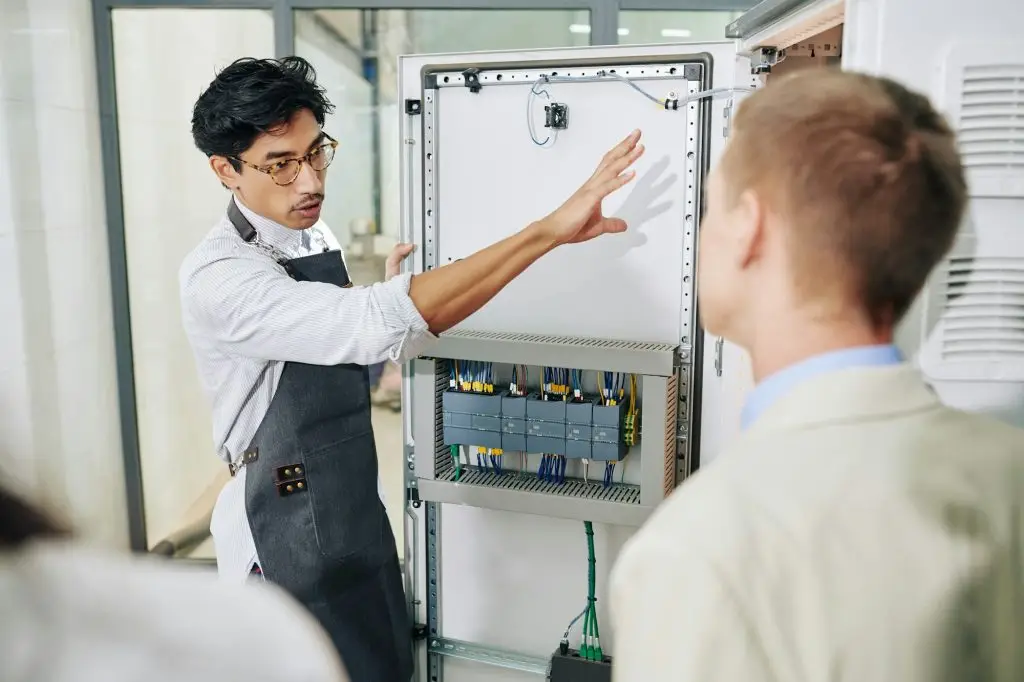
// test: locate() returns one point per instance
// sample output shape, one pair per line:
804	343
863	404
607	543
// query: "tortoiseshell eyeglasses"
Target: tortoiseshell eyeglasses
285	171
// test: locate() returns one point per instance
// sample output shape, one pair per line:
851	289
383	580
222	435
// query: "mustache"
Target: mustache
309	202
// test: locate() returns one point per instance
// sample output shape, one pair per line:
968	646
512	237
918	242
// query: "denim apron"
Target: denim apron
320	528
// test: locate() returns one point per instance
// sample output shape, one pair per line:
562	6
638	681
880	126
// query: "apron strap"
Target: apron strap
242	225
251	237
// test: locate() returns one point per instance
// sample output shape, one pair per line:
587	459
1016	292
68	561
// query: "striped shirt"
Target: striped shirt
245	317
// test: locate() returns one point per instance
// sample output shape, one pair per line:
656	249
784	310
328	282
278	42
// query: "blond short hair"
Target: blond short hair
865	172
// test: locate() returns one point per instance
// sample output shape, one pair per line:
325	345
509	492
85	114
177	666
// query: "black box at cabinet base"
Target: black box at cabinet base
569	667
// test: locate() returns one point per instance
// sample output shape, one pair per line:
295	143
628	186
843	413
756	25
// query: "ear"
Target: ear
225	172
749	235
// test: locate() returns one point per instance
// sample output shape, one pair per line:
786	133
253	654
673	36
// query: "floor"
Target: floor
387	430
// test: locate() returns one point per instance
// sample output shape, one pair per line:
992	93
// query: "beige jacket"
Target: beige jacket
859	531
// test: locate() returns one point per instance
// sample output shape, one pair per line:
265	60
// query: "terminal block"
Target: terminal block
513	422
609	437
574	429
472	419
579	429
545	425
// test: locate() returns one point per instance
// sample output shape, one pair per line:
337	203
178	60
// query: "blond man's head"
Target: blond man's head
836	196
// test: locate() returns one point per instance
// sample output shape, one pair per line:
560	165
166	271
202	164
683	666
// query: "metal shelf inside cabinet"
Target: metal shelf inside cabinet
630	357
619	504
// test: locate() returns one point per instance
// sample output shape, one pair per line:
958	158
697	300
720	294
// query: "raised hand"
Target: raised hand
580	218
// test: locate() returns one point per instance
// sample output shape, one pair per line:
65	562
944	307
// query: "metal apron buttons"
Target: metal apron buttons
290	480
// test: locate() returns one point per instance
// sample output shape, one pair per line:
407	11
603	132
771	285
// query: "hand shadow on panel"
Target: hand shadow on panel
640	207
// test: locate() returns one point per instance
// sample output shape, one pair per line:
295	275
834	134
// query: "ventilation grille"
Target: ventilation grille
671	434
983	309
442	454
604	344
991	129
529	483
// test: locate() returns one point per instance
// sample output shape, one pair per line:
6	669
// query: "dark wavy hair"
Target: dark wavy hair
21	522
251	97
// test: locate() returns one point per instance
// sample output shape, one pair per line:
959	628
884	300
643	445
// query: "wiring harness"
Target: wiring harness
590	642
538	89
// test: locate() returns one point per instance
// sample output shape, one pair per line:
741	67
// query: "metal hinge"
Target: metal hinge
412	494
763	59
727	115
718	355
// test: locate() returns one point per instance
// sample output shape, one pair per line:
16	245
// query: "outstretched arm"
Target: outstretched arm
236	299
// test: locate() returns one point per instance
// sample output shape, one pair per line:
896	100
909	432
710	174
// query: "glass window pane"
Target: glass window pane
163	59
638	27
355	53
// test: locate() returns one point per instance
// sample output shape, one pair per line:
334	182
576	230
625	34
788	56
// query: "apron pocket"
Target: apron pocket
348	516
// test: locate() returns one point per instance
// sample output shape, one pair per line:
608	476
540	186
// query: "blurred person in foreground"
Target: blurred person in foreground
71	613
857	529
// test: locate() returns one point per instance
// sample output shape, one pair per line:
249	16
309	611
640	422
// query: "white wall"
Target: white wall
351	176
164	58
59	429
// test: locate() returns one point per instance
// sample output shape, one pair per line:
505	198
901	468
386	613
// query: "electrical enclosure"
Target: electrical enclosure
619	310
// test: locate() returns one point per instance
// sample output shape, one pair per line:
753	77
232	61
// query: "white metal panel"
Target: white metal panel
727	377
493	181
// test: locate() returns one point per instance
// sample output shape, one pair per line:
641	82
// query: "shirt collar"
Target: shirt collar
273	233
780	383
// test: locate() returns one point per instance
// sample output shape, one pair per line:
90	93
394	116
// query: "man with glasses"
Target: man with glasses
282	340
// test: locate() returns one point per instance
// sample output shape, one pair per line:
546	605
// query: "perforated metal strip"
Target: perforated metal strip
633	357
529	483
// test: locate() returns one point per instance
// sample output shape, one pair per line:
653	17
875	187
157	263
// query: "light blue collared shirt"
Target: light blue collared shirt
780	383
